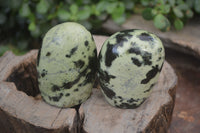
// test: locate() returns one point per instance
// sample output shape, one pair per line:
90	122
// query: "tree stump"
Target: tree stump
23	111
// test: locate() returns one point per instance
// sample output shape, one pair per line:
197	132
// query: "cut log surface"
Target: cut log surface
23	111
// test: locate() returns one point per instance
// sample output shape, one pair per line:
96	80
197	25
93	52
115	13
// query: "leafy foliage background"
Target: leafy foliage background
24	22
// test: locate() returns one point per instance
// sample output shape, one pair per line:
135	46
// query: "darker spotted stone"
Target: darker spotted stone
67	94
145	37
73	50
131	100
127	106
136	62
86	43
56	98
55	88
152	85
108	92
48	54
151	74
38	57
79	63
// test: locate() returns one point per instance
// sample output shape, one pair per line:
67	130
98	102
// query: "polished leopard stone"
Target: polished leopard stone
66	65
129	65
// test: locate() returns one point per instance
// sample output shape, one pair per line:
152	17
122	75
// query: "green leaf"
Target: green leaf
119	20
178	24
101	6
190	3
197	6
178	12
147	14
145	2
172	2
32	26
189	13
25	10
42	7
129	4
154	12
36	33
166	9
83	14
161	22
111	7
183	7
63	15
73	9
118	11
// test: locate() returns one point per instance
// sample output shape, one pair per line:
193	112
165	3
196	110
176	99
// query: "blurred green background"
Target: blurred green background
23	23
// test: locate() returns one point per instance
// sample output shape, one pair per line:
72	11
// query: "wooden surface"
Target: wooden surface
186	116
20	110
23	111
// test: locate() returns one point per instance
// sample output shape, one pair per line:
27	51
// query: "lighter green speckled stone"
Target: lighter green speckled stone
129	65
66	65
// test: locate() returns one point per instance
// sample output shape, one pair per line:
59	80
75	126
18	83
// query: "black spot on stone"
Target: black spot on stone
149	88
48	54
159	59
55	88
84	56
115	101
86	43
79	63
147	58
127	106
56	98
67	94
159	50
73	50
136	62
108	92
110	56
119	97
38	57
131	100
135	51
82	52
44	72
151	74
105	77
75	89
145	37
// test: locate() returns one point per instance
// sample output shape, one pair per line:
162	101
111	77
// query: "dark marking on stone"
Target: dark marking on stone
151	74
75	89
105	77
108	92
92	38
80	101
152	85
115	101
86	43
67	94
135	50
79	63
161	67
38	57
147	58
129	105
84	56
82	52
119	97
73	50
136	62
44	72
48	54
145	37
131	100
159	59
56	98
159	50
55	88
109	55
